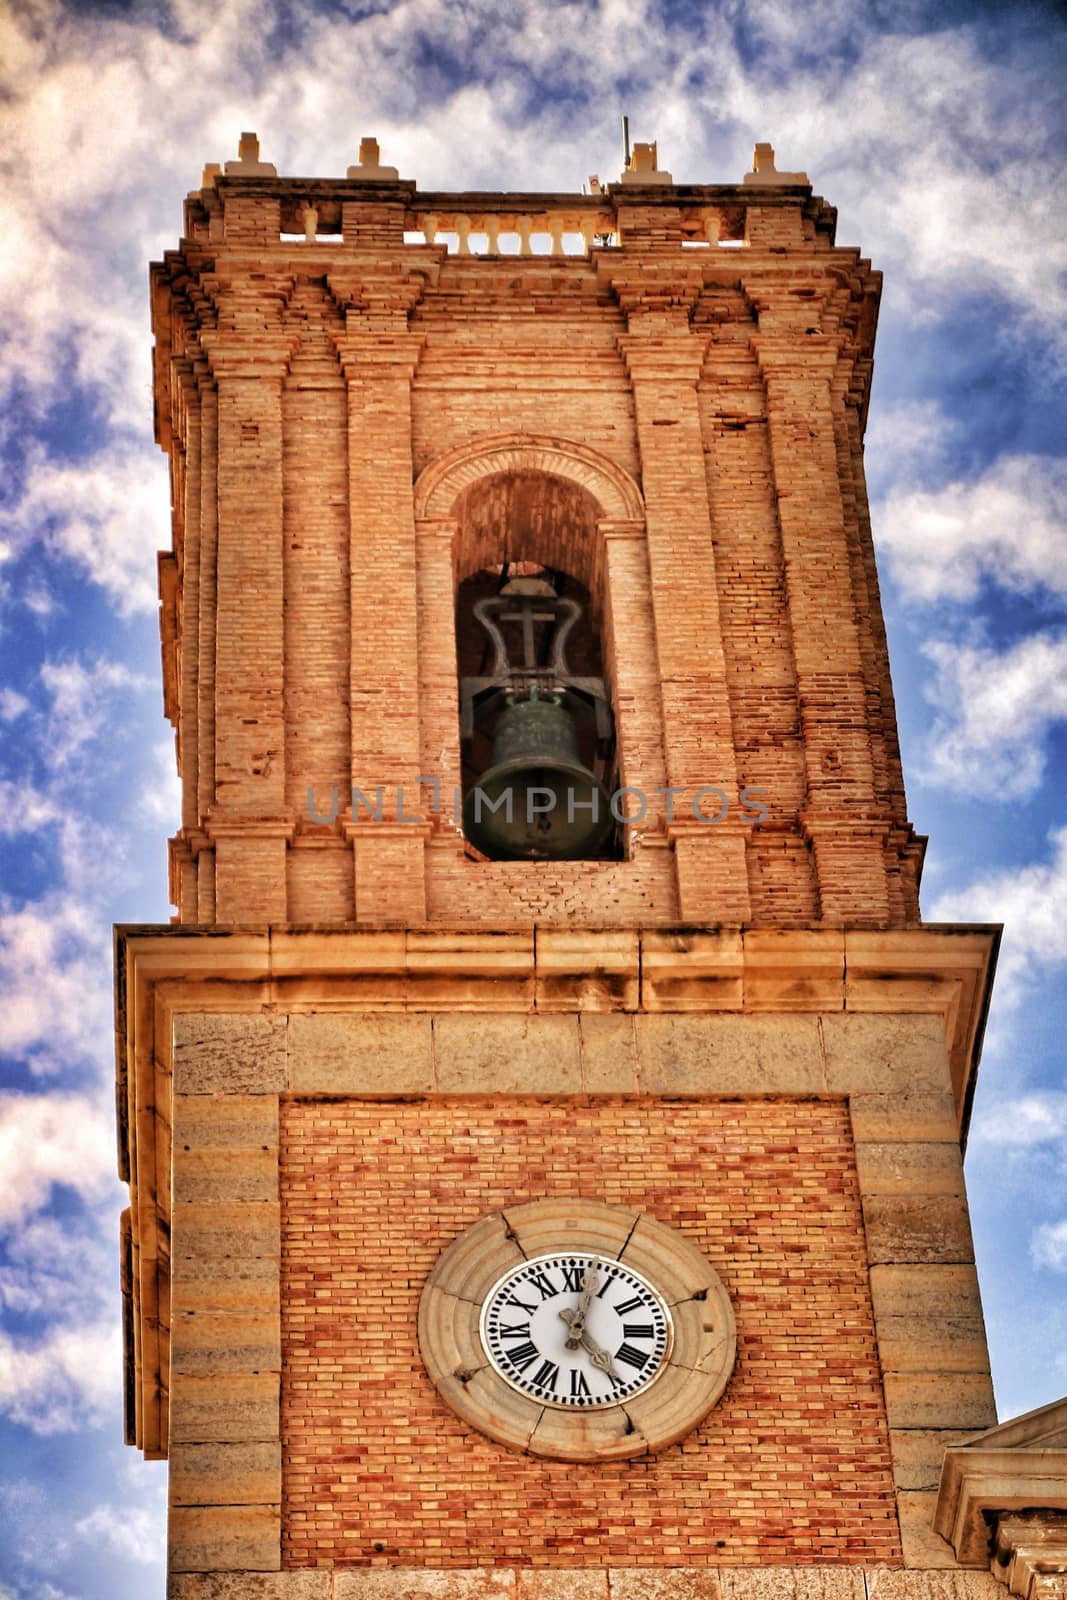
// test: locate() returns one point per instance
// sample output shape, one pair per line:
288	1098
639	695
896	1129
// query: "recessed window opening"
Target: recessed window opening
537	731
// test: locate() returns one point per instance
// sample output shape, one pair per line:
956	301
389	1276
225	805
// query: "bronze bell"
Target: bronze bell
536	800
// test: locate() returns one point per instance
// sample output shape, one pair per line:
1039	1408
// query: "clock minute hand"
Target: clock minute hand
600	1358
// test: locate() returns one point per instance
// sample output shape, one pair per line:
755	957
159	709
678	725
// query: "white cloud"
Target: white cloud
134	1532
994	712
1029	900
65	1380
109	515
903	442
161	795
12	704
25	809
1048	1246
82	705
50	1139
55	985
61	1269
1036	1118
1007	527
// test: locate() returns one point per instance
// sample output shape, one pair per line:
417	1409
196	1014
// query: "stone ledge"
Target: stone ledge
589	1583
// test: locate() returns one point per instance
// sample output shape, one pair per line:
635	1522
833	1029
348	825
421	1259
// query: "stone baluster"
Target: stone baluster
524	227
555	228
463	231
492	235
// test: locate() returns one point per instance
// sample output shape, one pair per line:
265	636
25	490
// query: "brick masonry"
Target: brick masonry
791	1467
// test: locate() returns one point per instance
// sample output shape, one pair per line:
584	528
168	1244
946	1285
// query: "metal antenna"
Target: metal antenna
626	137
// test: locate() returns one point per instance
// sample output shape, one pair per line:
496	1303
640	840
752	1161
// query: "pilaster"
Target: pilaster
378	355
842	818
248	810
664	359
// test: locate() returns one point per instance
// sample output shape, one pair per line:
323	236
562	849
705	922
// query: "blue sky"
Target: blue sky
933	129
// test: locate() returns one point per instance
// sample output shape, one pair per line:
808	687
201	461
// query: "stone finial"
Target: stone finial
764	171
644	167
248	164
309	218
212	170
594	184
370	163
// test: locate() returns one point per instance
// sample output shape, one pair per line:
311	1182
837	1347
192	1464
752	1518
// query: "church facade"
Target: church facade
543	1117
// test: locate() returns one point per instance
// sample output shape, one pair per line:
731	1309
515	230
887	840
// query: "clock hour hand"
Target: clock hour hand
576	1319
598	1356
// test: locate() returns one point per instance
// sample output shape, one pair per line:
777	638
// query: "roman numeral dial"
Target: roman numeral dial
576	1330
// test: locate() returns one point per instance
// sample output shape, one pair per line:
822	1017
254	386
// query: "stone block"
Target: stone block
225	1174
875	1054
609	1053
226	1474
421	1583
250	1586
225	1122
905	1117
663	1583
207	1342
562	1583
904	1228
587	969
792	1583
352	1054
939	1400
692	970
225	1539
919	1452
887	1583
894	1167
921	1545
793	970
220	1408
929	1319
507	1054
221	1054
213	1229
729	1054
249	1286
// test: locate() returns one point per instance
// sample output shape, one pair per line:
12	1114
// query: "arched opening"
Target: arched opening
536	722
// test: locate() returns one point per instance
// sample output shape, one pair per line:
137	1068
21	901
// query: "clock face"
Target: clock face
576	1330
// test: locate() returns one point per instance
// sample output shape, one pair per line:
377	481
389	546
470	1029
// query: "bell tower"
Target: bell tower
543	1116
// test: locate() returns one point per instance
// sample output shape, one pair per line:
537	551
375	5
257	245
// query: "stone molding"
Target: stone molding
1030	1554
1018	1466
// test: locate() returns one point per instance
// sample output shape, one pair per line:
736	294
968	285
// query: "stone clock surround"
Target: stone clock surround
695	1367
217	1028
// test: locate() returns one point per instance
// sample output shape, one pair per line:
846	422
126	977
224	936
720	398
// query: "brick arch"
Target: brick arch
441	483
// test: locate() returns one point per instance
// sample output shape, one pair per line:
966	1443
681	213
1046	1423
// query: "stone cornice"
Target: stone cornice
1018	1466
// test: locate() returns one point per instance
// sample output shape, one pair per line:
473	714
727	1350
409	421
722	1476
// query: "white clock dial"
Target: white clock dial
576	1330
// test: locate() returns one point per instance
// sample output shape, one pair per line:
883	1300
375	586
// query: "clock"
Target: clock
577	1330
